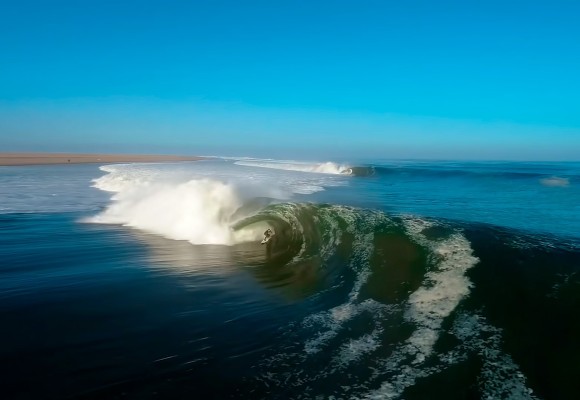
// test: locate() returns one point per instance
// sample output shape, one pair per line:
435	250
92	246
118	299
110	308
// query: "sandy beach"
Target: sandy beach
7	159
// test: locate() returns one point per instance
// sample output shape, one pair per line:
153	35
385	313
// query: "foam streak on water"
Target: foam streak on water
428	306
332	321
442	291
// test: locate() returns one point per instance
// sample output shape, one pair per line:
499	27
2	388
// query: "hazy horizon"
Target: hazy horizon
293	80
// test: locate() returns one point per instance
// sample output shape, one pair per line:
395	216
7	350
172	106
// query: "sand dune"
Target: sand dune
75	158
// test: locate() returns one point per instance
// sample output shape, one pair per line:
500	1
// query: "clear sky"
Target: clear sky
393	79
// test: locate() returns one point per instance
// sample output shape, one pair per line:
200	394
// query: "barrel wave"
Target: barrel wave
389	304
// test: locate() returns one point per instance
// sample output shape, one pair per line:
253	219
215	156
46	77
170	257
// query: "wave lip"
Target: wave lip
199	210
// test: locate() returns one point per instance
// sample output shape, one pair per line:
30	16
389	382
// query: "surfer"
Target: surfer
268	234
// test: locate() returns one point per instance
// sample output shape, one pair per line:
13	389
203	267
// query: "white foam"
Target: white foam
200	211
443	288
355	349
331	322
500	376
442	291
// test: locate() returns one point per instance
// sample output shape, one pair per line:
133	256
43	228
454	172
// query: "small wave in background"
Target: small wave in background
319	168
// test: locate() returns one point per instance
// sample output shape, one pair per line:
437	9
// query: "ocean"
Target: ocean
383	280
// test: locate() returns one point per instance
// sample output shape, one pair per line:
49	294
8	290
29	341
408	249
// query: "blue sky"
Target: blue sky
416	79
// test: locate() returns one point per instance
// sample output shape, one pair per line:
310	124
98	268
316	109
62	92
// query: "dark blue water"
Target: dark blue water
399	280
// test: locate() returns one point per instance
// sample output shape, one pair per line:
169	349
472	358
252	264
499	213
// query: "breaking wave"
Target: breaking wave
201	211
394	290
319	168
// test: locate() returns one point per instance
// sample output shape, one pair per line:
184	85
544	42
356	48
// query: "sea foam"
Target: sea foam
200	211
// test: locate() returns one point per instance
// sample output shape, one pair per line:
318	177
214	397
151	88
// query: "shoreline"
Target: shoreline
20	159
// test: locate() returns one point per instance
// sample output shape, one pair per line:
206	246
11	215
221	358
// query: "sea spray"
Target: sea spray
201	211
320	168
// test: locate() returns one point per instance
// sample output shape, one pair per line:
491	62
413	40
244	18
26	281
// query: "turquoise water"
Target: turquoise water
398	279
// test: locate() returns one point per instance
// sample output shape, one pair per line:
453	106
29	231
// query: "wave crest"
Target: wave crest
201	211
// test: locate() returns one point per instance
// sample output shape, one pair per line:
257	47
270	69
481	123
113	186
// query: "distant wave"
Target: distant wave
319	168
555	181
